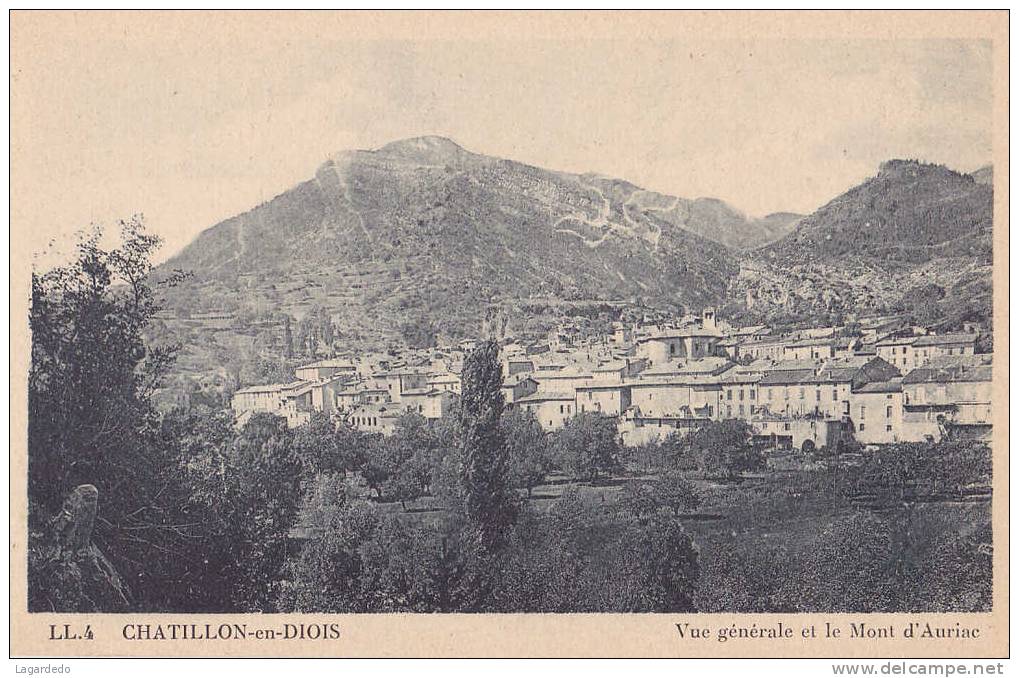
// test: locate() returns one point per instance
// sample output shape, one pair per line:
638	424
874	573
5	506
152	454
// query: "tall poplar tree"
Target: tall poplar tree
484	460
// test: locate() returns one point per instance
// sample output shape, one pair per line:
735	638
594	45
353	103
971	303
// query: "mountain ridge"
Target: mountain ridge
421	226
911	225
423	238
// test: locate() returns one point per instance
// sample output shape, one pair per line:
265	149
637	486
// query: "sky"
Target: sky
193	122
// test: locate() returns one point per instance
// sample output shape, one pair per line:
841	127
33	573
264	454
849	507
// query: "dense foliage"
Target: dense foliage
481	511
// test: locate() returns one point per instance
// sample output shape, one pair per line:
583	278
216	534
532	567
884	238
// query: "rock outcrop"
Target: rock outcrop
67	572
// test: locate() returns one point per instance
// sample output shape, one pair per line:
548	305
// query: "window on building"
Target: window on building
562	408
711	411
863	427
785	426
728	410
817	395
741	394
741	410
888	428
863	411
752	394
834	394
672	349
888	412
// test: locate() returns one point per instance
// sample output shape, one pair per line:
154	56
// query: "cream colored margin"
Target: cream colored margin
581	635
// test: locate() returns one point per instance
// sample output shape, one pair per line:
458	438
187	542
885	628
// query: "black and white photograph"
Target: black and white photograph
321	322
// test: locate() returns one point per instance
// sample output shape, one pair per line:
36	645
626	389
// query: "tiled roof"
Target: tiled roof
800	376
793	365
942	339
890	386
712	365
677	380
264	388
603	386
549	395
945	374
670	333
897	341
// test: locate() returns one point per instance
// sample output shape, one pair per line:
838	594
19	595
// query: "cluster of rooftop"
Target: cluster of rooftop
884	382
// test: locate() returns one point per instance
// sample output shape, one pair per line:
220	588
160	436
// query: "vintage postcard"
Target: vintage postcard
509	334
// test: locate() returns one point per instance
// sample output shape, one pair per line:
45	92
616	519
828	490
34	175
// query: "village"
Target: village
880	382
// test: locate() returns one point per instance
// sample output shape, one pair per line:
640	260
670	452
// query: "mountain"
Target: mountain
718	221
424	231
913	224
909	213
984	175
422	240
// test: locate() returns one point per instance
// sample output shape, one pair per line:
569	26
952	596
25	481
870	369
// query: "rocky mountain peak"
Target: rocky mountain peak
427	149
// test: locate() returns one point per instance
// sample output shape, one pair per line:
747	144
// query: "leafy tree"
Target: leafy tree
262	478
92	377
326	330
724	449
906	470
411	478
744	575
288	339
657	567
921	302
484	462
670	493
402	568
848	567
527	446
984	343
958	574
851	329
377	462
588	445
960	463
401	466
646	457
326	444
545	565
198	440
317	444
677	453
307	338
326	576
91	418
419	332
326	494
